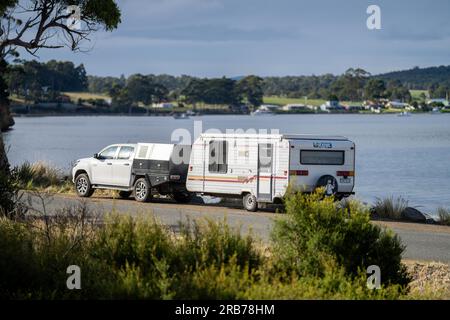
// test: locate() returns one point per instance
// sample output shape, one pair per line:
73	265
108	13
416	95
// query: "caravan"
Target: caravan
259	168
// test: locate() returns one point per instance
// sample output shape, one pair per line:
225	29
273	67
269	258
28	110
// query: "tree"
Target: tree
37	24
396	91
350	85
374	89
250	88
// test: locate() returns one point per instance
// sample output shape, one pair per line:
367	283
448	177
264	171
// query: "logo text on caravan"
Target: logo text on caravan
322	145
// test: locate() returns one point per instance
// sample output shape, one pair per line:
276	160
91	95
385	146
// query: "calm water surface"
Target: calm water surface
407	156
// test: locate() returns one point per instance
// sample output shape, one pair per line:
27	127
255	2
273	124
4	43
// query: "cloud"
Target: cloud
211	33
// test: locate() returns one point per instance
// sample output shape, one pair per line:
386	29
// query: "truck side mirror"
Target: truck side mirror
96	155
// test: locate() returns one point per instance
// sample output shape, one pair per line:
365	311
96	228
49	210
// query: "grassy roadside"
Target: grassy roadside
139	258
136	258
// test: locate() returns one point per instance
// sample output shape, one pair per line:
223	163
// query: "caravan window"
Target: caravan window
218	156
317	157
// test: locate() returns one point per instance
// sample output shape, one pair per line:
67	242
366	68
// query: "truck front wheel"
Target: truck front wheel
83	186
142	190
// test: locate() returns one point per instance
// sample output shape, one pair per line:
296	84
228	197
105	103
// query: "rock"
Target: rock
413	215
430	219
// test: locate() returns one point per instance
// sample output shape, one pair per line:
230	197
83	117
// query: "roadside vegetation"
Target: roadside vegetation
443	216
41	176
389	208
139	258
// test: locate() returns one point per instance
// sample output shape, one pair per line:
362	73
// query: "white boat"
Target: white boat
180	116
260	112
404	114
435	110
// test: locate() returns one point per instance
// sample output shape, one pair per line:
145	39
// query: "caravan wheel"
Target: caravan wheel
329	183
249	202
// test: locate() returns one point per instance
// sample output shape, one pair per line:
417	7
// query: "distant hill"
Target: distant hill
420	78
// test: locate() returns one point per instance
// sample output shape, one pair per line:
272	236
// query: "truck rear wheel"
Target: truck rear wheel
182	197
249	202
142	190
83	186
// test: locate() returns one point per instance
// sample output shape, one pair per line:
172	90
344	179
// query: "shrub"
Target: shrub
39	175
333	284
139	258
443	216
390	208
316	231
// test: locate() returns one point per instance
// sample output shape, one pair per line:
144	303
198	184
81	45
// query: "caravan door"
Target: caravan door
265	169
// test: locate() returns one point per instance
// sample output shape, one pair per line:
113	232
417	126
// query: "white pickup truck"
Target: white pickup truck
141	169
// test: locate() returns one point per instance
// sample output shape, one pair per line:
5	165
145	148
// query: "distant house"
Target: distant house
269	107
331	106
398	105
63	98
297	107
163	105
444	102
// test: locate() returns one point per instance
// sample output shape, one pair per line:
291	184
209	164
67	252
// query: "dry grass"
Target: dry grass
389	208
443	216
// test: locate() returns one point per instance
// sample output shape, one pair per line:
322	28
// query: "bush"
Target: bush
389	208
443	216
139	258
318	232
38	176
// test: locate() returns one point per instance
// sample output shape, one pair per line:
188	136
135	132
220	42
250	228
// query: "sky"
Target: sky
214	38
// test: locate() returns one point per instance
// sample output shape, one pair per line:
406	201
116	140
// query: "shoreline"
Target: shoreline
39	115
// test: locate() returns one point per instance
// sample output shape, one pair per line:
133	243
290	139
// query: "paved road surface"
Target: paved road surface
424	242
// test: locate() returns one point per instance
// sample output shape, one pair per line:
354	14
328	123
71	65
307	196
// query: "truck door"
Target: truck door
102	166
121	172
265	169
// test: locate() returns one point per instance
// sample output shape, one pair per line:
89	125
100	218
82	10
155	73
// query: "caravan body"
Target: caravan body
260	167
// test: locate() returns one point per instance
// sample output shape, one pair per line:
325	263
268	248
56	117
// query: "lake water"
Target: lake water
407	156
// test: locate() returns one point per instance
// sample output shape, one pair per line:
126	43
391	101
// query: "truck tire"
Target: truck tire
182	197
83	186
330	184
124	194
249	202
142	190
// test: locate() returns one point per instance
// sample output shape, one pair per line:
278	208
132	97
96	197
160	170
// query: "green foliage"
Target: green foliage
250	88
420	78
39	81
317	232
38	176
374	89
389	208
212	91
139	258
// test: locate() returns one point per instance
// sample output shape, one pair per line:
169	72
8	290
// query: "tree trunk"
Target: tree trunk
4	165
6	120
